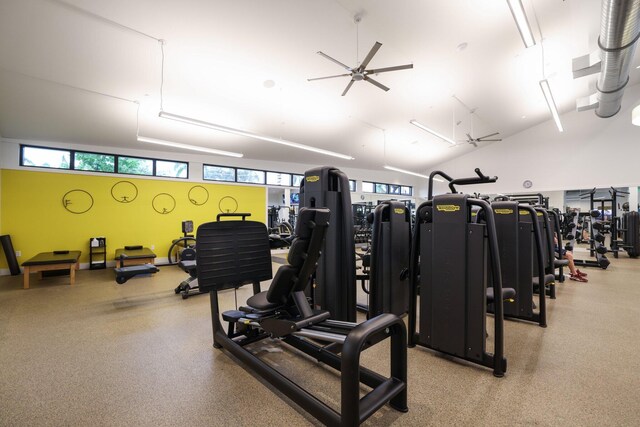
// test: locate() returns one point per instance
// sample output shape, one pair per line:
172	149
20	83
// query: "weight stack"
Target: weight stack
7	247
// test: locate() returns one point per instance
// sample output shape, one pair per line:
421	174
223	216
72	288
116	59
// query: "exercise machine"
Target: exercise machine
519	242
234	253
386	267
449	273
453	257
335	282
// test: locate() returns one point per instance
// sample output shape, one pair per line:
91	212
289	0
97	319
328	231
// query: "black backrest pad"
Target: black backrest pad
232	253
303	255
453	279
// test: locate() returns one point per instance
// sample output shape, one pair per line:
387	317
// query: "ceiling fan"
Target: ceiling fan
474	141
361	73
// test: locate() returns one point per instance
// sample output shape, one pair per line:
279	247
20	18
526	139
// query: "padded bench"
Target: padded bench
48	261
138	256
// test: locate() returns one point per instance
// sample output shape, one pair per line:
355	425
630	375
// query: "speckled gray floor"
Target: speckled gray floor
136	354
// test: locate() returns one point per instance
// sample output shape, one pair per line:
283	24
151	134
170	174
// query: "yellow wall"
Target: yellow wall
33	214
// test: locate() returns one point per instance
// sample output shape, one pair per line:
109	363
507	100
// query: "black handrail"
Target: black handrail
227	215
480	179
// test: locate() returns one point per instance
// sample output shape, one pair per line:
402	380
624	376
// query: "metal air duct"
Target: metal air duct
619	32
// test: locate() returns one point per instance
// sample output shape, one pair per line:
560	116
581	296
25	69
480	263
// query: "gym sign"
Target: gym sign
448	208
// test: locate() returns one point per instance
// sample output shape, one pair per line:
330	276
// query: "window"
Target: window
296	180
94	162
367	187
352	185
407	191
277	178
382	188
135	165
394	189
250	176
219	173
45	157
172	169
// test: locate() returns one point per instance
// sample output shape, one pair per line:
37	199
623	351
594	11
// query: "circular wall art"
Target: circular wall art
77	201
527	184
228	205
124	191
163	203
198	195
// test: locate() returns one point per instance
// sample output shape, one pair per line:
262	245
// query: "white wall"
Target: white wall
591	152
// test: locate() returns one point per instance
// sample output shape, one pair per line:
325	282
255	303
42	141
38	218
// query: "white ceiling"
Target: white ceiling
57	62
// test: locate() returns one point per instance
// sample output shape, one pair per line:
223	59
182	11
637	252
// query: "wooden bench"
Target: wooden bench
48	261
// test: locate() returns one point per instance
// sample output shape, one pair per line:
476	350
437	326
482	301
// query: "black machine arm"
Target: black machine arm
243	215
480	179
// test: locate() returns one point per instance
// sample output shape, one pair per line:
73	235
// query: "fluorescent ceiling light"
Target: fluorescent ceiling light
391	168
546	90
187	146
517	10
635	116
248	134
432	132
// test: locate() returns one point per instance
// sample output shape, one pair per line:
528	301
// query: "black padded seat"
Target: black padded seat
507	293
560	262
189	267
260	302
548	278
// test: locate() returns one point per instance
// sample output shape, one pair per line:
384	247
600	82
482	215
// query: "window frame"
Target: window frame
72	160
23	146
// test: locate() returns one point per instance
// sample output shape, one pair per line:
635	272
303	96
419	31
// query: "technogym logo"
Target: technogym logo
503	211
448	208
399	211
312	178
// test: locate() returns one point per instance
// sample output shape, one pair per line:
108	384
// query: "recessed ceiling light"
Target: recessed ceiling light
462	46
268	84
524	117
638	67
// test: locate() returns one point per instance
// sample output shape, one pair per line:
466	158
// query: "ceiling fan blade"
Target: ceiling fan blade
469	138
474	144
489	136
375	83
384	70
483	140
328	77
348	87
369	56
324	55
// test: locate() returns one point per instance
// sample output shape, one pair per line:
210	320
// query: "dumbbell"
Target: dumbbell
599	238
598	226
573	213
595	213
578	228
604	262
568	247
571	225
601	249
569	236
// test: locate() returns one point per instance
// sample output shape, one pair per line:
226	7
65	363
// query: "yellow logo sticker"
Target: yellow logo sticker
474	213
312	178
503	211
399	211
448	208
539	213
524	212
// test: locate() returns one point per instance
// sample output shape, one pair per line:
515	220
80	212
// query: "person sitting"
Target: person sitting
576	274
